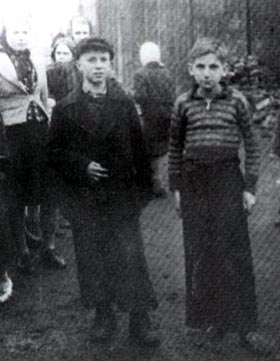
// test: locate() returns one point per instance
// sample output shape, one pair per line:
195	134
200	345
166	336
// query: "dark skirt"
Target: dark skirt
219	270
109	252
26	151
6	245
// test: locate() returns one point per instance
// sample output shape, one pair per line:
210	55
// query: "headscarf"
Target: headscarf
24	67
149	52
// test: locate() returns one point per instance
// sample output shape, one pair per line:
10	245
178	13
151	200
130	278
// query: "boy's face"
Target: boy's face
79	31
207	71
95	66
62	53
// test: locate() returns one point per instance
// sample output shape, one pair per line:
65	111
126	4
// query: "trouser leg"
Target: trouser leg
16	214
157	176
48	223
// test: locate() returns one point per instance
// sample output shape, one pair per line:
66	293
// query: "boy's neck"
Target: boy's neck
209	93
94	88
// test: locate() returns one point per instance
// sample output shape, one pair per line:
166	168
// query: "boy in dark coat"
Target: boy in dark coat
96	146
154	92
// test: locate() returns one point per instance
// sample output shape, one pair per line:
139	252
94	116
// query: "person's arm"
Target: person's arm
140	158
55	76
140	91
176	144
42	78
252	153
44	97
66	161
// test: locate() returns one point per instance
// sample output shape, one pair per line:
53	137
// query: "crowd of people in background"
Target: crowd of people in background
29	92
73	143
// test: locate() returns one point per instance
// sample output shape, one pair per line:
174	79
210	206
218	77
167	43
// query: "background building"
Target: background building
175	24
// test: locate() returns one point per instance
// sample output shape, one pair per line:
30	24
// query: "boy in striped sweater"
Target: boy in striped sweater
214	199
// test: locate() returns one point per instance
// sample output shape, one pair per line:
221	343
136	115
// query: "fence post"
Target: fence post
119	43
191	9
248	27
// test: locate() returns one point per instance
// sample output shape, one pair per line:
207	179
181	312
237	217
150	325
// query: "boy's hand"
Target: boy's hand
50	104
249	201
177	203
273	156
96	172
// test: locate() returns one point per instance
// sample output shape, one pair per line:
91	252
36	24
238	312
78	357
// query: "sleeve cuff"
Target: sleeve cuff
174	182
251	184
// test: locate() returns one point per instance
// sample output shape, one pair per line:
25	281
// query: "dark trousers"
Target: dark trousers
110	256
219	270
6	245
27	173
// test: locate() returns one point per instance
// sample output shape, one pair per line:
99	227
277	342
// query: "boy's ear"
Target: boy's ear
226	69
78	65
190	68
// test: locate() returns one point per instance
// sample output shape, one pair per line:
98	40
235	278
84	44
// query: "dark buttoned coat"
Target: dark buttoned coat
104	214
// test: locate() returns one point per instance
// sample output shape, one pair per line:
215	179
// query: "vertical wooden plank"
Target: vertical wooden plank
119	42
191	21
248	28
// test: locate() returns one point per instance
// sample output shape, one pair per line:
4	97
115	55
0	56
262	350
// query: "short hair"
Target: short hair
93	44
65	40
204	46
57	37
82	20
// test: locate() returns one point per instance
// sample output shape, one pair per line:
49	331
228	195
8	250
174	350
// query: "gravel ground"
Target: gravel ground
45	321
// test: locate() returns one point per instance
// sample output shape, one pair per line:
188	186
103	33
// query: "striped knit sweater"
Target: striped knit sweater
211	131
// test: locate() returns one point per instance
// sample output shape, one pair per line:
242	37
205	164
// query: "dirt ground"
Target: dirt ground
45	321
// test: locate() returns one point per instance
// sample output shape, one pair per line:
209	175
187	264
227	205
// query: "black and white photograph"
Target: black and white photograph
139	180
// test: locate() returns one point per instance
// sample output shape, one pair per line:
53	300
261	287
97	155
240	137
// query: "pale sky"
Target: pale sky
47	17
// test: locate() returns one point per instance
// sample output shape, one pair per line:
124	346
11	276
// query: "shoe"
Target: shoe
64	223
24	264
192	331
104	326
51	259
215	333
6	288
140	331
33	241
256	343
145	338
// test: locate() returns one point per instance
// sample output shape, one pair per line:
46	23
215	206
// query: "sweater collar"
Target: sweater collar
223	94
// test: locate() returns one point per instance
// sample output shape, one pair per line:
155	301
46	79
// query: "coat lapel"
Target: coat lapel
104	123
8	72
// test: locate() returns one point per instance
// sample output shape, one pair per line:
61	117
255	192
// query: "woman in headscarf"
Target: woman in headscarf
23	104
41	224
